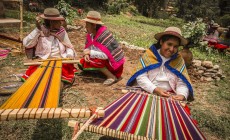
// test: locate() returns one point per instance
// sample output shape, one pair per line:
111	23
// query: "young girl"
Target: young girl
161	70
51	41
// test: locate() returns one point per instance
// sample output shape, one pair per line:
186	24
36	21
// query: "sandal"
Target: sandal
110	81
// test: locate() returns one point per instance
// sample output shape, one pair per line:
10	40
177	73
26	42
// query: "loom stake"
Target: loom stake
87	123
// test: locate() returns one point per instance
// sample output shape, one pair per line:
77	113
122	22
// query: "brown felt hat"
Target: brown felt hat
172	31
52	14
215	25
93	17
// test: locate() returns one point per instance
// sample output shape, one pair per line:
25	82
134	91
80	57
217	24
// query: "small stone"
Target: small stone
196	63
208	74
207	64
211	70
216	67
201	68
200	71
208	79
223	77
202	78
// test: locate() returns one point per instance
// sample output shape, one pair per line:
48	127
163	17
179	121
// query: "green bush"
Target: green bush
194	32
66	11
225	20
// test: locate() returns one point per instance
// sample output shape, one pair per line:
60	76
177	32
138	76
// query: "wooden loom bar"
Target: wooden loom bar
39	63
47	113
94	116
109	132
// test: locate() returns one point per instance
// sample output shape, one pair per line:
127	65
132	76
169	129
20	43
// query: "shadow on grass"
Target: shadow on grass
51	129
48	130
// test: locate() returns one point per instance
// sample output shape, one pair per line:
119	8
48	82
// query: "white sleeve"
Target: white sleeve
144	82
98	54
31	40
182	89
69	51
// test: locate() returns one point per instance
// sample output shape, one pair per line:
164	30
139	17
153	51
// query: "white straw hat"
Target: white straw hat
172	31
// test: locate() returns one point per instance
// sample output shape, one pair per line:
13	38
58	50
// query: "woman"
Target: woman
161	70
51	41
102	52
224	40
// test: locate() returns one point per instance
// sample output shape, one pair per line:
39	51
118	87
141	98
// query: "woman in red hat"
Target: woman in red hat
102	52
51	41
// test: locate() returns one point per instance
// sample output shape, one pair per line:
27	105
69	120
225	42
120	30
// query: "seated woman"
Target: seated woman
102	52
212	35
161	70
51	41
224	40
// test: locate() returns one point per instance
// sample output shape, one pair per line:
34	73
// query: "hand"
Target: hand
38	22
161	92
86	52
86	57
178	97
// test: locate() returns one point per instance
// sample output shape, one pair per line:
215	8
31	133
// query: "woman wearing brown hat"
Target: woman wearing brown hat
224	40
51	41
161	70
102	52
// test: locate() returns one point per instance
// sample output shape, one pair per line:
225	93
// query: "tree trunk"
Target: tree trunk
187	56
2	11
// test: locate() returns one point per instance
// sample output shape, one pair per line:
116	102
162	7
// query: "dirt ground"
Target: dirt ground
88	89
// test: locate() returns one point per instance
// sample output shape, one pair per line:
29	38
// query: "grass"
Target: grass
213	112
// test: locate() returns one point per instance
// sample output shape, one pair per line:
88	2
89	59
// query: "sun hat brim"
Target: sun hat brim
182	42
93	21
52	18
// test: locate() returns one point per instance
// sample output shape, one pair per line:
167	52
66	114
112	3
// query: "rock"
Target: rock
201	68
200	71
223	77
211	70
208	79
208	74
70	27
196	63
216	67
202	78
216	78
219	73
207	64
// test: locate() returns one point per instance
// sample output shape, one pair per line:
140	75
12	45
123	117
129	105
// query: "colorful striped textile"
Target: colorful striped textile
41	90
3	53
138	115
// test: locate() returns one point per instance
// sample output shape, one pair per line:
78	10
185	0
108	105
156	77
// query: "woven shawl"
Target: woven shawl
105	41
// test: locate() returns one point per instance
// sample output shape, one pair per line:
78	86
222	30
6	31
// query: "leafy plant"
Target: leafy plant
194	32
66	11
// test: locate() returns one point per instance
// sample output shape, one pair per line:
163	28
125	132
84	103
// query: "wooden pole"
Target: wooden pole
21	23
39	63
47	113
87	123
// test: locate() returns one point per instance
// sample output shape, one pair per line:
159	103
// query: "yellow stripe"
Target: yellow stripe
53	96
18	98
41	88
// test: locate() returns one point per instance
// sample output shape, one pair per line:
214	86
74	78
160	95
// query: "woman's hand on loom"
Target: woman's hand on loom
38	22
161	92
86	57
178	97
